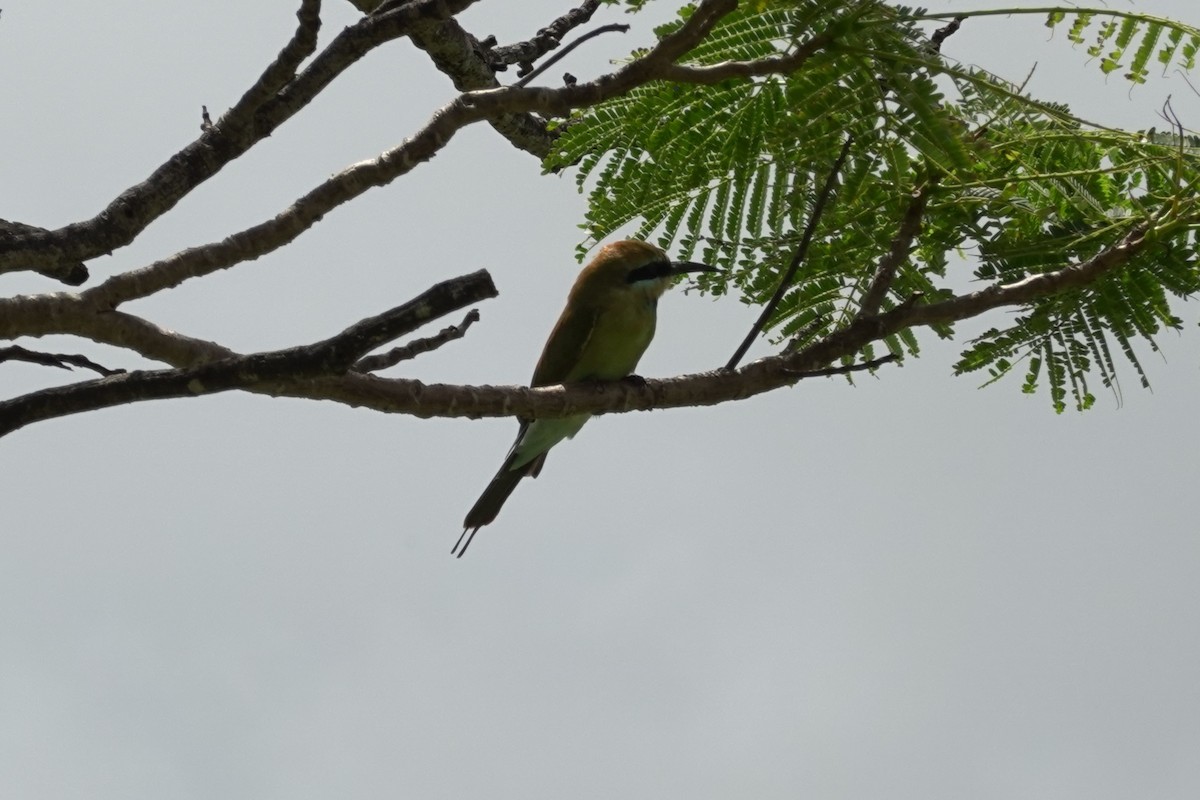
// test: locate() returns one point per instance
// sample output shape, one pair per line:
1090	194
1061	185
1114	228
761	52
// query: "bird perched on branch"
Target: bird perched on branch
600	336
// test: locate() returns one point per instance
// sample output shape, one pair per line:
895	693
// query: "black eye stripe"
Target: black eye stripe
649	272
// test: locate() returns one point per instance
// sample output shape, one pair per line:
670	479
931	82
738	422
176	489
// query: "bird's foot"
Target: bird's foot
636	381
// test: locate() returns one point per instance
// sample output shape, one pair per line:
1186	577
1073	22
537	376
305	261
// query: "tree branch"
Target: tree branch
331	356
277	375
462	57
62	361
770	65
236	132
72	273
546	39
866	366
468	108
417	346
561	54
901	246
786	279
283	69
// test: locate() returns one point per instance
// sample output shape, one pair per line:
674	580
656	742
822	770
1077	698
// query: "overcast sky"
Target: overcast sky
912	588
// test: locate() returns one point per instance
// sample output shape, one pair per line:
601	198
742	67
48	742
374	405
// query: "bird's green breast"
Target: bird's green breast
620	335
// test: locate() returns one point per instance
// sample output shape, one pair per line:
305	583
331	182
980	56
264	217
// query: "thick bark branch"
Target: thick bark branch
459	55
72	273
462	58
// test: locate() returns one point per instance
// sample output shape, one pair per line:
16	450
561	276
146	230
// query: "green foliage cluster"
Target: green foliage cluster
1119	36
729	173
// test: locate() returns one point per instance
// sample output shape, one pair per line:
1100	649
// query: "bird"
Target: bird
601	335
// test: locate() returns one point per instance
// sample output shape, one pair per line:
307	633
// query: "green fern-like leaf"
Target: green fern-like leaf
1118	31
1020	187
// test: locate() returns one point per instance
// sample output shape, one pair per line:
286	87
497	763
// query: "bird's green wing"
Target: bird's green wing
566	343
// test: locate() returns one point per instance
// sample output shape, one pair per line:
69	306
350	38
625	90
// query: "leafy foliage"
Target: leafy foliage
729	173
1118	37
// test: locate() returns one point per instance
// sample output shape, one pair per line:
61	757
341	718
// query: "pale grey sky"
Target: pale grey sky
908	589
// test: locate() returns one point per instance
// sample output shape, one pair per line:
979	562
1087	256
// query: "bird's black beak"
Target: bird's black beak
658	270
684	267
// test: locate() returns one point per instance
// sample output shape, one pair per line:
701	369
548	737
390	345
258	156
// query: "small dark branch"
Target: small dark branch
328	357
417	347
768	311
282	70
62	361
235	133
548	38
72	273
206	122
901	246
560	55
337	354
771	65
945	32
844	370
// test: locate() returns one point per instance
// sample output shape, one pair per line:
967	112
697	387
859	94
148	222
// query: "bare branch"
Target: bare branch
420	147
560	55
785	281
901	246
292	366
464	59
706	388
866	366
547	39
234	134
72	273
283	69
459	55
62	361
417	346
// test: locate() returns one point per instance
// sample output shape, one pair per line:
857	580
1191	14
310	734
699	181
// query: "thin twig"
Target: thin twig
901	246
417	346
843	370
801	251
561	54
60	360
